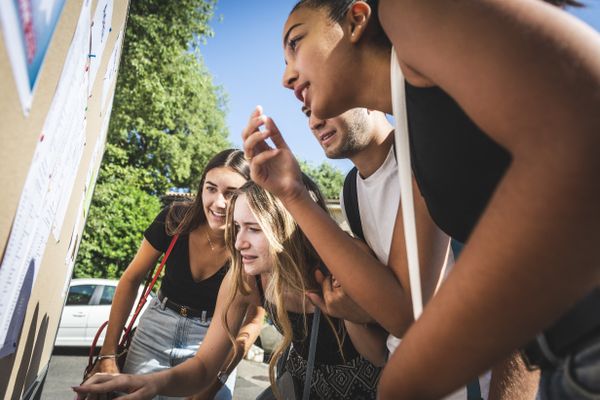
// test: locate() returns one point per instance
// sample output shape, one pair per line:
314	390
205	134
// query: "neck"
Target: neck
370	159
216	237
375	69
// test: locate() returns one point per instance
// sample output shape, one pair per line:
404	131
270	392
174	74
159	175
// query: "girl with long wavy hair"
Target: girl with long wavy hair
273	265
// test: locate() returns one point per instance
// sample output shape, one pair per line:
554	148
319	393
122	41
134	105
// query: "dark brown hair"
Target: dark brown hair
185	216
337	10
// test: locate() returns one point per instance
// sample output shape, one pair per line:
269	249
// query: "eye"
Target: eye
228	195
306	112
254	229
293	42
211	189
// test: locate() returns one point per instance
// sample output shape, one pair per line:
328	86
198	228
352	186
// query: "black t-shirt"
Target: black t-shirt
178	284
456	165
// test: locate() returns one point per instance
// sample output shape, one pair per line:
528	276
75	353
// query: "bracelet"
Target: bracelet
105	356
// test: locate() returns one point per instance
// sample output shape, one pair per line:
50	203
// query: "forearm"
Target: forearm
245	338
183	380
369	340
511	380
351	265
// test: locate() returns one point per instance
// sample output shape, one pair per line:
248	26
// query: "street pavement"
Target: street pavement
66	368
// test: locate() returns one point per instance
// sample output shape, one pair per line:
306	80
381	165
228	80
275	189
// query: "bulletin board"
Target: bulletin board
58	66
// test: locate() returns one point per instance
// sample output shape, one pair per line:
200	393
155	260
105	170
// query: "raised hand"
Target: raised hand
335	302
275	169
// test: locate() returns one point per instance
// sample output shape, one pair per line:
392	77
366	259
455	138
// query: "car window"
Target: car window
80	295
107	295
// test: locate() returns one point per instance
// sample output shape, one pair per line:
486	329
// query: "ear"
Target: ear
358	17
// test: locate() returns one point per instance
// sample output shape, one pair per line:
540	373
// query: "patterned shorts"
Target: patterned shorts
356	379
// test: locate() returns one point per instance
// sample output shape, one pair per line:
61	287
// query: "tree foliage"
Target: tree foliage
168	119
329	178
167	116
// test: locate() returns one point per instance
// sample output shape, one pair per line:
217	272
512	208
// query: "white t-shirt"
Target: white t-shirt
378	207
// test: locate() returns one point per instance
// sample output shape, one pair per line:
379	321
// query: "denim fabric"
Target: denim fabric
577	377
165	339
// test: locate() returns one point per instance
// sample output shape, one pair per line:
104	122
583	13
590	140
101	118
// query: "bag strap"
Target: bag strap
146	292
405	176
314	336
351	204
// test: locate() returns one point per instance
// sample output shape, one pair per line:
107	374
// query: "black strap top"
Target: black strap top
328	350
178	283
456	165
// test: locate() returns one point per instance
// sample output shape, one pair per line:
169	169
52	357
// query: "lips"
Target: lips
248	258
300	92
326	137
217	215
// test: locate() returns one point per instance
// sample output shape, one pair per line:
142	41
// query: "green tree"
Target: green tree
329	178
168	119
168	116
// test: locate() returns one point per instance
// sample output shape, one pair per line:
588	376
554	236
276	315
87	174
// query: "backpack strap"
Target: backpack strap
351	204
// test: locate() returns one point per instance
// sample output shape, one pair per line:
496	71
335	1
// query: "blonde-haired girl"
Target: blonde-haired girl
273	264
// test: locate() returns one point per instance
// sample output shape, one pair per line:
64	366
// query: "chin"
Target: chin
251	270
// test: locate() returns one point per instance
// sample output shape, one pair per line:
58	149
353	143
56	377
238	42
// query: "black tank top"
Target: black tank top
456	165
328	350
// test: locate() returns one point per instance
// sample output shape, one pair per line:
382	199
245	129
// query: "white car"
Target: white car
87	307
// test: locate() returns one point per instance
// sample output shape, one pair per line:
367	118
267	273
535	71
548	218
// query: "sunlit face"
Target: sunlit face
250	240
342	136
219	185
317	63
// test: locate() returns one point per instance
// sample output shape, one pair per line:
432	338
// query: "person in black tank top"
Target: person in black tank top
272	265
518	85
172	327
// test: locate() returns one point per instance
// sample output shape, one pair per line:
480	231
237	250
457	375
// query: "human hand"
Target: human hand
274	169
100	385
335	302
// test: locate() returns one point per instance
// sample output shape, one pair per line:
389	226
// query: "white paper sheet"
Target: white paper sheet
101	28
46	185
111	70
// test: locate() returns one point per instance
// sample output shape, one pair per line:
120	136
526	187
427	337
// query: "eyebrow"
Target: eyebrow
246	223
215	185
287	35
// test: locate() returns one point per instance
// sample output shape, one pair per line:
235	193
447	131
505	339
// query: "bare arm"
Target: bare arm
387	297
528	74
194	374
247	335
512	381
369	340
125	296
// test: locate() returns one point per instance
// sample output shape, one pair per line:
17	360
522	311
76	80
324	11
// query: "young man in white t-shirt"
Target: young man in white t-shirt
366	138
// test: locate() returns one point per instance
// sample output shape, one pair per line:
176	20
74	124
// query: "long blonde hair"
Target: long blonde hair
293	259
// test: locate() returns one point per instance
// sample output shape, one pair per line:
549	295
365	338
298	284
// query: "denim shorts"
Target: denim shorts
164	339
576	377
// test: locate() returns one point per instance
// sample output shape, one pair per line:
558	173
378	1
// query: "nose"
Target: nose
240	243
290	76
315	123
221	201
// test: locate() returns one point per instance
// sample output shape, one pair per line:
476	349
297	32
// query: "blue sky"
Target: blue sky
245	57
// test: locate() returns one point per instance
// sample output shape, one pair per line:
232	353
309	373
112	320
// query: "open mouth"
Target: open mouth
219	215
327	137
248	259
